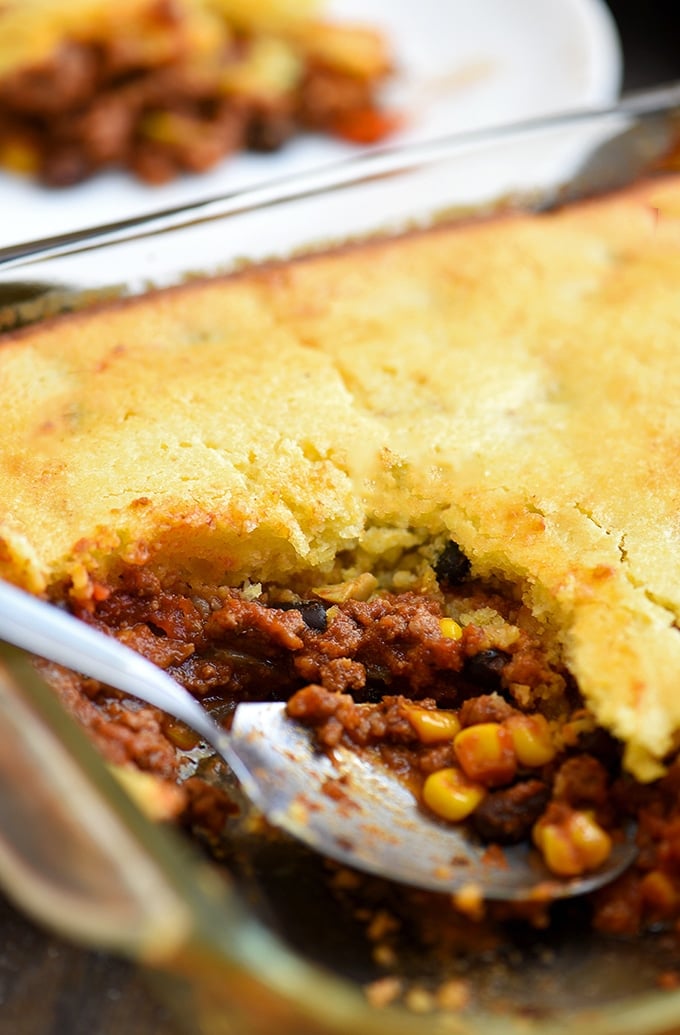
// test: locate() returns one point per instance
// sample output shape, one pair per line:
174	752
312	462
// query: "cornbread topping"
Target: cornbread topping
428	476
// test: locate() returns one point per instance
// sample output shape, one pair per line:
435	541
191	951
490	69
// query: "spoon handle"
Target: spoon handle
56	635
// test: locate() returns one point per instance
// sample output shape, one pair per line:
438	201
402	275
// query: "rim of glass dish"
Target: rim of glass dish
352	171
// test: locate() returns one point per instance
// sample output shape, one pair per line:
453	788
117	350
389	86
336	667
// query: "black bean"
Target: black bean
507	816
603	746
371	694
313	613
485	668
452	566
269	131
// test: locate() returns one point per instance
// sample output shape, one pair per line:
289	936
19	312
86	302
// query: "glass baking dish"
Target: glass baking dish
263	950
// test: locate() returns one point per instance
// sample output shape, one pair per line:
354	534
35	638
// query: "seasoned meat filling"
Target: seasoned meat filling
173	101
392	643
475	712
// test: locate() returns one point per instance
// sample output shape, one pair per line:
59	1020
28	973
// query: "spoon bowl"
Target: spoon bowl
344	806
359	812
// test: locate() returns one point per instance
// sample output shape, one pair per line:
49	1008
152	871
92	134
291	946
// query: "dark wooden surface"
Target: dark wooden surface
48	987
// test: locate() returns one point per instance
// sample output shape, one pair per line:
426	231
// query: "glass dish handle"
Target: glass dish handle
79	857
69	839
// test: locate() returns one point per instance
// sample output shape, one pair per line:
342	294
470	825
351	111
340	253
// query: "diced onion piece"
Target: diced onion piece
360	588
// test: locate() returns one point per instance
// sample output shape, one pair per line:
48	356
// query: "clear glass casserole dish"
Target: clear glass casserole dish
266	951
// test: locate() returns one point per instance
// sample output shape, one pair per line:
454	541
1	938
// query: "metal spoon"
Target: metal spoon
344	807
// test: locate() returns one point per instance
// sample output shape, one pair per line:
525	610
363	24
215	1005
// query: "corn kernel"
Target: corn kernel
593	843
531	739
19	157
449	794
432	726
571	842
450	629
559	854
486	753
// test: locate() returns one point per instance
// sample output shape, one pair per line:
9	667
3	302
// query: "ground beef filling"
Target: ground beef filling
380	675
392	643
97	105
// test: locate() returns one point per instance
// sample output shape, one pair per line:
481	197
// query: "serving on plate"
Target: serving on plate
454	66
164	88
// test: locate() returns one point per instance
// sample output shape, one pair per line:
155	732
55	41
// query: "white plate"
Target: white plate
461	64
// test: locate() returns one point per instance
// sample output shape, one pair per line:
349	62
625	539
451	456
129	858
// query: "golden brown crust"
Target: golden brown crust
513	383
31	30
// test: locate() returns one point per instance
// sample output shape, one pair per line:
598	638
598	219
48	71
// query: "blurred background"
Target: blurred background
649	33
